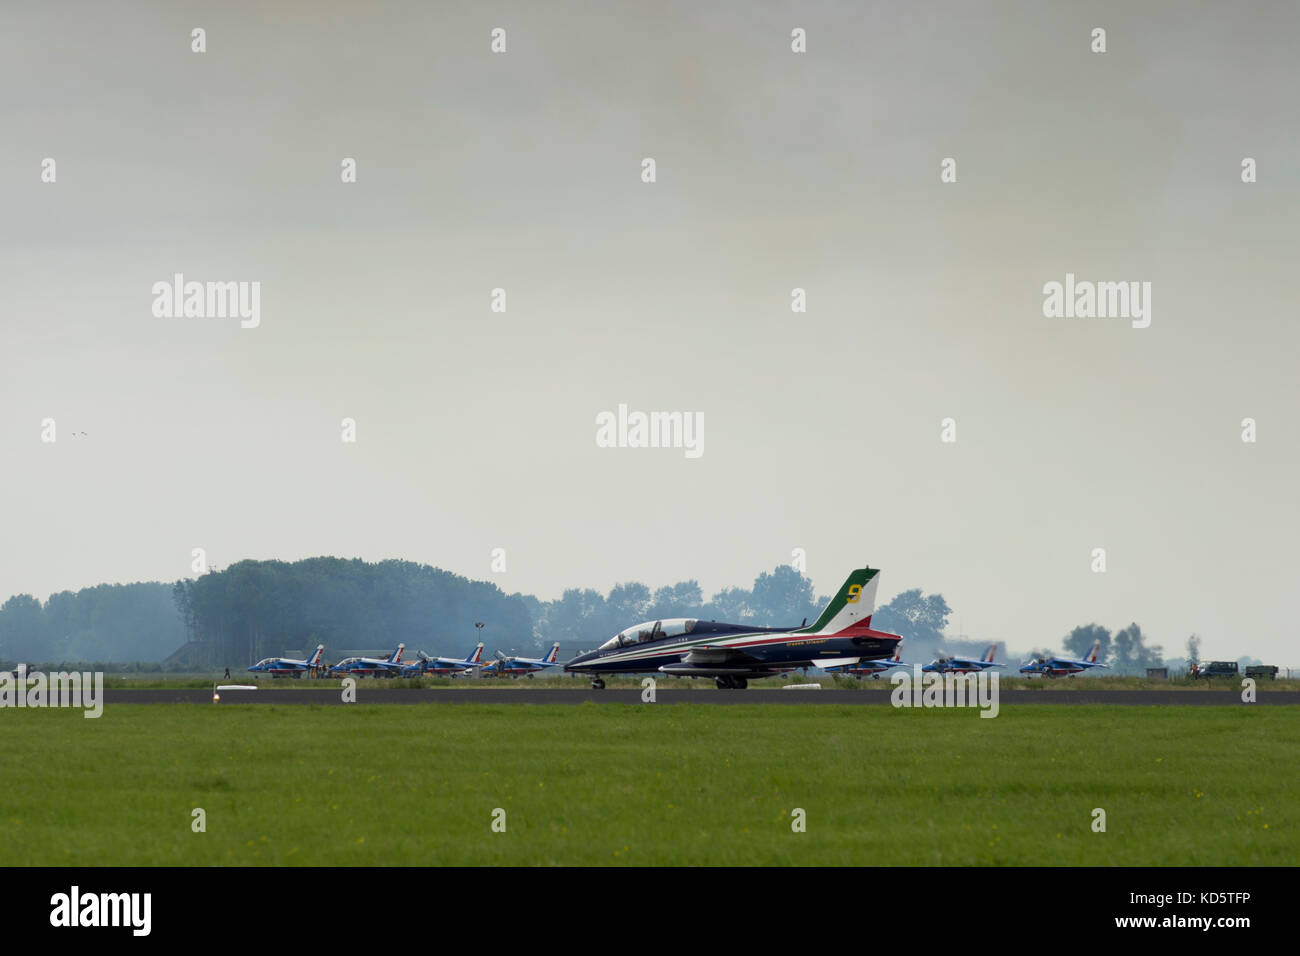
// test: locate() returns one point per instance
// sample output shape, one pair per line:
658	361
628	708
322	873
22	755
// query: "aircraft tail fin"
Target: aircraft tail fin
552	657
898	653
476	655
852	606
396	656
315	658
1092	654
990	654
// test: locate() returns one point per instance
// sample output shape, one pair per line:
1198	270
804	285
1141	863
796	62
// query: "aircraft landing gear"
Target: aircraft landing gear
597	683
731	683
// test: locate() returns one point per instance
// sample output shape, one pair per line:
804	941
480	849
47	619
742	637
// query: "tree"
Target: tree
783	597
921	619
1132	655
629	602
682	599
1079	642
22	628
731	604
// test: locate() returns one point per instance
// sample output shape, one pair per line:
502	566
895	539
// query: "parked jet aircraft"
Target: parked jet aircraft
443	666
948	664
287	666
872	668
1063	666
733	653
390	666
515	666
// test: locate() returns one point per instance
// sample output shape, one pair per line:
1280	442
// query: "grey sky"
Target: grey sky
775	171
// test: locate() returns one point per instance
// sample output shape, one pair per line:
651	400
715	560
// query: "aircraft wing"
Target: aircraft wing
719	656
723	661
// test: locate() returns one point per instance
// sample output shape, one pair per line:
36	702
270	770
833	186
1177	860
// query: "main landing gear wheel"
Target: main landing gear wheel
731	683
597	684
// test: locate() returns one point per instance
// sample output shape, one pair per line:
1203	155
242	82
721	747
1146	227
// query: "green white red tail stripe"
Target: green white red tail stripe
849	612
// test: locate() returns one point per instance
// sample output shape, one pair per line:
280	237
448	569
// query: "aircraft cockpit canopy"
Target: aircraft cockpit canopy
650	631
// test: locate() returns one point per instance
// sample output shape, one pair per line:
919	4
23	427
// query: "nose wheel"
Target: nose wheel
597	683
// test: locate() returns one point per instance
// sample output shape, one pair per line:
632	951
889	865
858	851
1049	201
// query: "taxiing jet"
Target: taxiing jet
390	666
443	666
948	664
1063	666
872	668
733	653
287	666
516	666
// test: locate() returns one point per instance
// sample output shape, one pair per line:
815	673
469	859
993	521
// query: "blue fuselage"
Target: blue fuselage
747	647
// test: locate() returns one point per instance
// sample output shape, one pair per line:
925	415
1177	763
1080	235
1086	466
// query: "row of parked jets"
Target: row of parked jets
394	666
952	664
841	640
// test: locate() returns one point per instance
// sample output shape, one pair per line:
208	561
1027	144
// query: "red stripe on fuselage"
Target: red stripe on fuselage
853	630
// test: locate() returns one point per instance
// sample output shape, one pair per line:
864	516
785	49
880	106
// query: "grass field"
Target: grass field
617	784
555	679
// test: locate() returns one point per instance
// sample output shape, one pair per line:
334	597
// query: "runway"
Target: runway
708	696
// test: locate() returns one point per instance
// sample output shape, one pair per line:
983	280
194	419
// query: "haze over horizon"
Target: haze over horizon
775	170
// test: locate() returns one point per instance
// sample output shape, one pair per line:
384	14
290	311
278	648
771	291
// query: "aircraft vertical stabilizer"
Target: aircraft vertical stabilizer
852	607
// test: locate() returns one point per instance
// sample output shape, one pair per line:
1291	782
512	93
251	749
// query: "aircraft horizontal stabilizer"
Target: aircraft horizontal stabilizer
717	670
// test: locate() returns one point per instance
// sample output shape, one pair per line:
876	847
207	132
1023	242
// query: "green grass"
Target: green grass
554	679
649	784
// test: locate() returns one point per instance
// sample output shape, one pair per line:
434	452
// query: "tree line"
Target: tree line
255	609
117	622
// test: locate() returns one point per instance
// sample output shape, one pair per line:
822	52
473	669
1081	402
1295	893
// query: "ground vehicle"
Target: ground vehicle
1218	669
1262	671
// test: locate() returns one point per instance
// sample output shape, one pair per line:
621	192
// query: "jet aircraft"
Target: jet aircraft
516	666
733	653
443	666
390	666
287	666
948	664
1063	666
872	668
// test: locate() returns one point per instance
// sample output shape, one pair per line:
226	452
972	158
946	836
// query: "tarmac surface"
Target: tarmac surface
670	695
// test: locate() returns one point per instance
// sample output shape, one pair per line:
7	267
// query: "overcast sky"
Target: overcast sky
775	170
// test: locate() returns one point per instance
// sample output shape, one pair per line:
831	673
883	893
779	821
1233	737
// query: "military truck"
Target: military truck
1262	671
